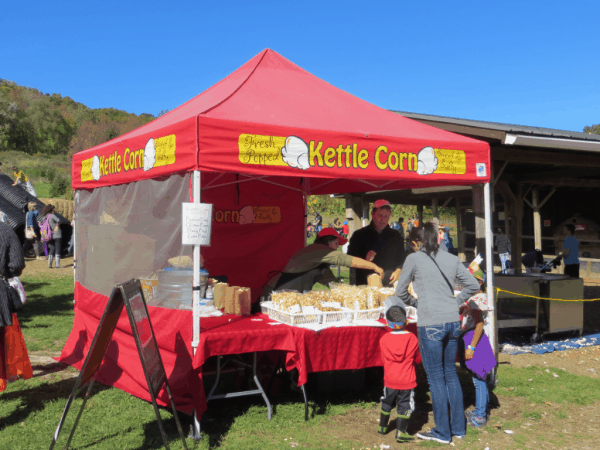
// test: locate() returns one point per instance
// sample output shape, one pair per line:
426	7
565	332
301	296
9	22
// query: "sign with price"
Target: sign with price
196	221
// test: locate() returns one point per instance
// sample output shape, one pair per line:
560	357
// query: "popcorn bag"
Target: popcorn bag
244	301
374	280
219	291
230	295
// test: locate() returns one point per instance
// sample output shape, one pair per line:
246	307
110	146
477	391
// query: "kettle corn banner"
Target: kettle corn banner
293	151
156	153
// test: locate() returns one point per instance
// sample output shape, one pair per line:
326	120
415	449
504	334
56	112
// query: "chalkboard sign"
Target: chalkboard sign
144	337
196	220
131	296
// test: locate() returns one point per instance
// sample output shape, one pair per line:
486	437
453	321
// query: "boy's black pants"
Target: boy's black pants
404	399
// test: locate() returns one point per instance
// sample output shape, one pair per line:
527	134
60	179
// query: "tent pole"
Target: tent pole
489	268
195	428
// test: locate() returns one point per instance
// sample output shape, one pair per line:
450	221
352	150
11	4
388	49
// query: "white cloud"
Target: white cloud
96	168
149	155
295	153
427	161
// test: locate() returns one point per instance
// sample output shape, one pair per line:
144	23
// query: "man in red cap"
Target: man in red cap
378	243
311	265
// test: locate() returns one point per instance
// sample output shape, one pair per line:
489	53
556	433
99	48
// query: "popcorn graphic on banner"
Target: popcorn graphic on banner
96	168
149	155
247	215
427	161
295	153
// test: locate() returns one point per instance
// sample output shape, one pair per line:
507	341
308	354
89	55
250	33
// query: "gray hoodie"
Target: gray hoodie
436	304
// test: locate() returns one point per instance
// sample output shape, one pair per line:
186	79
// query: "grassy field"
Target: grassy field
37	168
536	403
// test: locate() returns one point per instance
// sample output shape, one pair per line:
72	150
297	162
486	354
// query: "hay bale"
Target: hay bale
61	206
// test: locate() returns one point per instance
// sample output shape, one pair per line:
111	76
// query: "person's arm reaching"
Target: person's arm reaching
359	263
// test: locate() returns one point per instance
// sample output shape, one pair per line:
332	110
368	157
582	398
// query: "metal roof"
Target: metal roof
534	131
14	199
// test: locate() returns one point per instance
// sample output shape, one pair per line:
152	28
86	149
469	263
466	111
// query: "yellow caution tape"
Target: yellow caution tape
553	299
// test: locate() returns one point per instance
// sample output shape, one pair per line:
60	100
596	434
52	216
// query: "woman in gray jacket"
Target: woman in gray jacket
54	244
433	274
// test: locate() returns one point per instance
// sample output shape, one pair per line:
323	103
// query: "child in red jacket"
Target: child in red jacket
399	352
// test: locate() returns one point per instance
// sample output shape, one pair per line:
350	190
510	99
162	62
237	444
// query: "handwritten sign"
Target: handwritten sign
451	161
196	223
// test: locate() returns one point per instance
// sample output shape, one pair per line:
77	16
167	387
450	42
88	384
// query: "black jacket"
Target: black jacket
388	246
12	263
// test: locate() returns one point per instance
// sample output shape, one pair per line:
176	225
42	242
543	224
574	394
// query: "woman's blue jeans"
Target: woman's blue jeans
438	345
482	396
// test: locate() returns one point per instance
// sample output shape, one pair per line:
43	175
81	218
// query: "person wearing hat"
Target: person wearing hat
378	243
399	354
475	344
310	265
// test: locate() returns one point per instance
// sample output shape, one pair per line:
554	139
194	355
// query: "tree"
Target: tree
594	129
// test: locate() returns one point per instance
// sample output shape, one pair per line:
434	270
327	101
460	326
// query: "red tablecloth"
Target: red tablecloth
339	348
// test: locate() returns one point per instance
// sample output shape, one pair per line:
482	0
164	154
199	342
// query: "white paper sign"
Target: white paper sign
196	220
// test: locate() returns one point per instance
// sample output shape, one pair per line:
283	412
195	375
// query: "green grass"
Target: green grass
42	189
47	317
544	387
112	419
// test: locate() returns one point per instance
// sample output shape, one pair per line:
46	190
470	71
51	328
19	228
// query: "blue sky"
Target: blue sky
524	62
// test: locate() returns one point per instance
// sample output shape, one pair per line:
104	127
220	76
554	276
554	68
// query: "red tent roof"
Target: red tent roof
242	123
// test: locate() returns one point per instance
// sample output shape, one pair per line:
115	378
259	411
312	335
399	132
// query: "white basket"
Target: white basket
368	314
289	318
345	315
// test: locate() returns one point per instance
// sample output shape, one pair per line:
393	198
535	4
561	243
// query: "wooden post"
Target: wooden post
434	211
517	226
537	221
460	237
365	212
420	213
353	212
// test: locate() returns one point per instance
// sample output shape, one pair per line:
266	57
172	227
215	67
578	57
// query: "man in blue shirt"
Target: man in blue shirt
571	252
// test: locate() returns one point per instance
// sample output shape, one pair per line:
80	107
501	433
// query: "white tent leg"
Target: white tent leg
489	268
195	431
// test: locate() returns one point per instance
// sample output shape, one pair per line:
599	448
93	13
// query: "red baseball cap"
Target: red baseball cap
381	203
332	232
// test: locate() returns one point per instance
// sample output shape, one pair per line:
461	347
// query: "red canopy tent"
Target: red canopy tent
262	139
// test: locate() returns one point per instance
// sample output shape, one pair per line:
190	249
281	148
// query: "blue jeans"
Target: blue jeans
503	261
438	345
482	396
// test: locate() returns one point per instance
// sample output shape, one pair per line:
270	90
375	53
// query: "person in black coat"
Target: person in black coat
12	263
380	244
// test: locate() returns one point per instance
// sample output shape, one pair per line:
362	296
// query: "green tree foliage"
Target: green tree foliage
594	129
34	122
336	207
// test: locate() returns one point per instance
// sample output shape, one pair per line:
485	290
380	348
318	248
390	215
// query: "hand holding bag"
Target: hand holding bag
29	234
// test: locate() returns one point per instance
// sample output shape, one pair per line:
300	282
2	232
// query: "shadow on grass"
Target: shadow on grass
35	399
